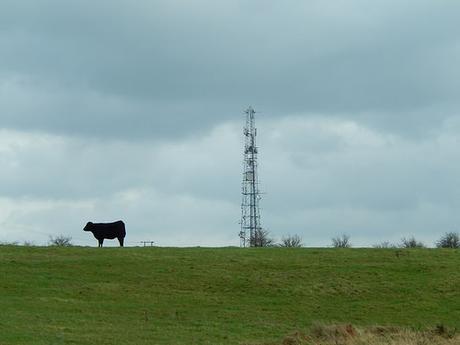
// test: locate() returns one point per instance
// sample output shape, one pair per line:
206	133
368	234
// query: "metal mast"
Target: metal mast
250	212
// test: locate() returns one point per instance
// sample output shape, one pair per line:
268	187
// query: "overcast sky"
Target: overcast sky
133	110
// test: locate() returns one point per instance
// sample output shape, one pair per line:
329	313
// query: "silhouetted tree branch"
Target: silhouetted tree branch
342	241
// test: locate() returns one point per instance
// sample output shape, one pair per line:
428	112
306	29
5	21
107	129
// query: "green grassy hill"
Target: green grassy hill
217	296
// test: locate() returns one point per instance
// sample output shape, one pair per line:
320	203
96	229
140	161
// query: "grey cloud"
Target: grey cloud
371	185
358	117
368	170
177	67
48	166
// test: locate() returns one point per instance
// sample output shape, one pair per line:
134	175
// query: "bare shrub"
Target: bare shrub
449	240
261	238
385	245
294	241
411	243
60	241
342	241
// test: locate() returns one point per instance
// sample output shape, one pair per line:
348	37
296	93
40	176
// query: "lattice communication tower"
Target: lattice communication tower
251	228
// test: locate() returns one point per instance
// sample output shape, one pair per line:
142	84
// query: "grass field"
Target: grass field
77	295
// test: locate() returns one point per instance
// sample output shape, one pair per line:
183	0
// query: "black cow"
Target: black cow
107	230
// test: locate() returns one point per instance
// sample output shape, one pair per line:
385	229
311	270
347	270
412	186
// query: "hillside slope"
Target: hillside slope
217	296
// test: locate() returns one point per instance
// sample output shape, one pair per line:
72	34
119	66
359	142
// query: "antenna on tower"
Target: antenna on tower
251	228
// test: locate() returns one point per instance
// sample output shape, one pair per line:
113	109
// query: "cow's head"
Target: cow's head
88	226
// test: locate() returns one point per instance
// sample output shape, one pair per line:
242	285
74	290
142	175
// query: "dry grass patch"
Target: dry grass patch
350	335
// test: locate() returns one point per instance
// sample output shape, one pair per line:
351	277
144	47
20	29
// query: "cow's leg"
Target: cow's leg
121	239
101	240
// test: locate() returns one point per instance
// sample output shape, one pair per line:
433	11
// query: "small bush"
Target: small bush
342	241
60	241
261	238
411	243
385	245
294	241
449	240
